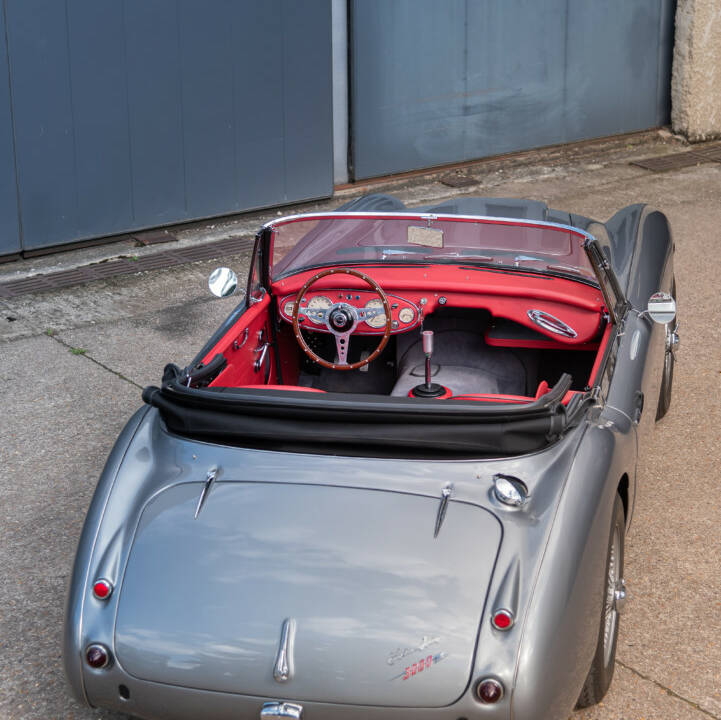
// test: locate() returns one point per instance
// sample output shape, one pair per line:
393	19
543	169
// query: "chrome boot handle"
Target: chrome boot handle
281	710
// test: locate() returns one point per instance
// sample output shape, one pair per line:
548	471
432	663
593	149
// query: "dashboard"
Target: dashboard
405	314
560	312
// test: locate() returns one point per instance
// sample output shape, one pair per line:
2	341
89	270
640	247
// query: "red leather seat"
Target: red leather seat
299	388
511	399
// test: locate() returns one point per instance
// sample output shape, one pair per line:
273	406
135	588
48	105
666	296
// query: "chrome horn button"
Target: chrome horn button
341	318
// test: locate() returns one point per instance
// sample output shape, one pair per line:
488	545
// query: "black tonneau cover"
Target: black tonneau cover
362	424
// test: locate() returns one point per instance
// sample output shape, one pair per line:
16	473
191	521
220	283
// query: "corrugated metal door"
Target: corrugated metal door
439	82
132	114
9	229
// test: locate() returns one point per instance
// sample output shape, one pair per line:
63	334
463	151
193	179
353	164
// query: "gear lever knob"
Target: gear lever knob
428	342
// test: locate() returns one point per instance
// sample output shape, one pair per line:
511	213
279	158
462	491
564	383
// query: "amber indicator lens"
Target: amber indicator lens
97	656
102	589
489	691
502	619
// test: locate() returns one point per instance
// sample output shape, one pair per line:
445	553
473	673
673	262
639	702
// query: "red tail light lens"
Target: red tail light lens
97	656
502	619
102	589
489	691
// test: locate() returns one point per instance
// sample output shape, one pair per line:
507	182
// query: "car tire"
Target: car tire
669	360
604	661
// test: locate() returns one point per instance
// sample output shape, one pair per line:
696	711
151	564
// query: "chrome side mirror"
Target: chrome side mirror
661	308
223	282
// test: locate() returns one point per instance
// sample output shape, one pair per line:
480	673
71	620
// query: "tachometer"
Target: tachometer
319	302
406	315
379	321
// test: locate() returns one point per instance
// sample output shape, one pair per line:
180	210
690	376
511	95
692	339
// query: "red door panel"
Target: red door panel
243	346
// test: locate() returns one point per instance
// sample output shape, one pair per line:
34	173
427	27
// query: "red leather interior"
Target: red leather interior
542	389
512	399
299	388
506	295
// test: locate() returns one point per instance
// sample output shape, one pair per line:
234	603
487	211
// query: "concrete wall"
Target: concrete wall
696	79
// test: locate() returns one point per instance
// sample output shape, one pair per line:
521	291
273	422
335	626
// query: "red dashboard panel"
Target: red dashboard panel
506	295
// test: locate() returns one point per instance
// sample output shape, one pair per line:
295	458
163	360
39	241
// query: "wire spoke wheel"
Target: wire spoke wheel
610	613
613	588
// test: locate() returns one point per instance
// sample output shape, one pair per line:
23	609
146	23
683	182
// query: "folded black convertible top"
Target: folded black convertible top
341	423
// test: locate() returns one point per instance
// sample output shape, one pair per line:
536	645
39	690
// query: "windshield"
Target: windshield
302	243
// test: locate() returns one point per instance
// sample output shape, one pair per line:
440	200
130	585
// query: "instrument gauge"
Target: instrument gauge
406	315
379	321
319	302
288	308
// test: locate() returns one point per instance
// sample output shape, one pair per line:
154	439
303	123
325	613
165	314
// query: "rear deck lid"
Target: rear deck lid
383	612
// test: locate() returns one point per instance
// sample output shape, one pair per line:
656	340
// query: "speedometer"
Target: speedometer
319	302
378	321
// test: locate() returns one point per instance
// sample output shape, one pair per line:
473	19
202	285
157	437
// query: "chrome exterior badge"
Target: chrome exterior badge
283	669
401	653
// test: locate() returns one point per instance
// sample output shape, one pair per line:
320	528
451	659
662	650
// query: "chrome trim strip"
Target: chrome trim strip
209	480
271	224
281	710
443	507
283	669
551	323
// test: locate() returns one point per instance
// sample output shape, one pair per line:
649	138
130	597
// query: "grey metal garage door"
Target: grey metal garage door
131	114
438	82
9	230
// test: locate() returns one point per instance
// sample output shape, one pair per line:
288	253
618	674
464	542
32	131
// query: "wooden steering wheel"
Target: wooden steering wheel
341	319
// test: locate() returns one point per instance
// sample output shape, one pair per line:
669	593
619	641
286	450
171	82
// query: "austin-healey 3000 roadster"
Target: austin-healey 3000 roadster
395	483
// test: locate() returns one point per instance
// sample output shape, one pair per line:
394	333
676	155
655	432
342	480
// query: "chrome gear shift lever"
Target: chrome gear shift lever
429	389
428	350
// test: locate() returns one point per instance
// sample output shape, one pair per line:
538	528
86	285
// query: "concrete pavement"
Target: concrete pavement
72	363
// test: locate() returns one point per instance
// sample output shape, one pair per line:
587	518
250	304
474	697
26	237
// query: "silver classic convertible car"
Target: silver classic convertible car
395	483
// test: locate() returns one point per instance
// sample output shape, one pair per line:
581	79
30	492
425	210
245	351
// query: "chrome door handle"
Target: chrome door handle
262	352
281	710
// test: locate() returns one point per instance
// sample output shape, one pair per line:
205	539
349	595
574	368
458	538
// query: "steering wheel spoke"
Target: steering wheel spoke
342	341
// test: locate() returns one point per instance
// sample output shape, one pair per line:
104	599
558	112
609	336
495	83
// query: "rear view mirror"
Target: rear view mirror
222	282
661	308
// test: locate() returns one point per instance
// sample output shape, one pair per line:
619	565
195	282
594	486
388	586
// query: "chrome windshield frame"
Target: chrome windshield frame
270	225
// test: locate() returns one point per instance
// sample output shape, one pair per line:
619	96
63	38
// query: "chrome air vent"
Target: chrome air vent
551	323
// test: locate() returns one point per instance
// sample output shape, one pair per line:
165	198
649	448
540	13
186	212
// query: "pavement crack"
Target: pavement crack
668	690
85	354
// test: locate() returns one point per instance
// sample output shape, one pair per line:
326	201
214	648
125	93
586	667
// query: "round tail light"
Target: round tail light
102	589
97	656
489	691
502	619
